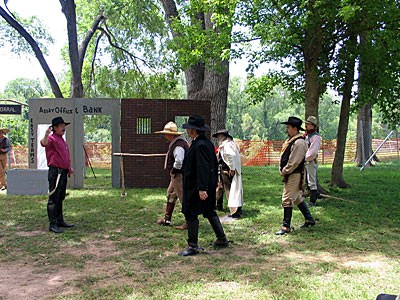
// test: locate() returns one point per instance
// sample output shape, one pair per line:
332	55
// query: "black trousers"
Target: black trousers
54	204
206	214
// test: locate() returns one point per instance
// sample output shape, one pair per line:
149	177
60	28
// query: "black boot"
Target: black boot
60	217
193	236
287	218
310	221
216	225
313	198
52	213
220	202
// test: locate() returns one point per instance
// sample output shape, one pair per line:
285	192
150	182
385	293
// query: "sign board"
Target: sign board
10	109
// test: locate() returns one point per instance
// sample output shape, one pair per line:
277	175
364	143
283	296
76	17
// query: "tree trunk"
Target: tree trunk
364	135
364	95
205	82
337	166
312	50
69	10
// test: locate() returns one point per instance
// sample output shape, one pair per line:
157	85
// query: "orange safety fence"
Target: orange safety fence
253	153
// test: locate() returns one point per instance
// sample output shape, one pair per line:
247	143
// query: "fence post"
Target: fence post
323	152
268	153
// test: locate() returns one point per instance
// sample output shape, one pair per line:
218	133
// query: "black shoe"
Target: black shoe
236	215
63	224
55	229
189	251
220	243
283	230
308	223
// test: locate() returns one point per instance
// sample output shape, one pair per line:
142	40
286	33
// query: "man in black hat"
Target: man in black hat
199	185
59	163
291	168
229	173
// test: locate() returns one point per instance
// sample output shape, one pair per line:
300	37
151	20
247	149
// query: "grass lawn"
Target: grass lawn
117	251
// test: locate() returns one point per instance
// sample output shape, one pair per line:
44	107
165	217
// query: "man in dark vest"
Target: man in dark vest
5	147
173	163
313	141
291	168
200	172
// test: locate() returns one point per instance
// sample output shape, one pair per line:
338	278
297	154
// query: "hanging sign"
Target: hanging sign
10	109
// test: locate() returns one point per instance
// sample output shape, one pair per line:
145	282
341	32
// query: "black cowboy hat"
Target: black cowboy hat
196	122
223	132
295	122
57	121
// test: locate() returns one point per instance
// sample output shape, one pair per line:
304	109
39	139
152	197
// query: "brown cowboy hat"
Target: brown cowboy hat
170	128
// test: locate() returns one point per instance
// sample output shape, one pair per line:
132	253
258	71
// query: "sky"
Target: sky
49	12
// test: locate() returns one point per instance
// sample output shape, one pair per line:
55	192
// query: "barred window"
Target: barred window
143	126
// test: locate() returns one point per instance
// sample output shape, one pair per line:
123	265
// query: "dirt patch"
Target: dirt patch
21	282
30	233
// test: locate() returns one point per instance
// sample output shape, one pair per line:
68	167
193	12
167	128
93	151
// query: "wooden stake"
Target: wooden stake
121	162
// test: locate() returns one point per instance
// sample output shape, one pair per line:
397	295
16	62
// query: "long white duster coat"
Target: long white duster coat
230	153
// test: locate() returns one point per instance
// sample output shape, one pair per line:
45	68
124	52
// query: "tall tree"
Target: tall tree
201	33
299	35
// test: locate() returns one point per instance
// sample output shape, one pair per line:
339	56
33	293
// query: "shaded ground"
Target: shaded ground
116	251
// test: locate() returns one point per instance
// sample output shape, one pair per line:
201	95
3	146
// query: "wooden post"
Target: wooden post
121	161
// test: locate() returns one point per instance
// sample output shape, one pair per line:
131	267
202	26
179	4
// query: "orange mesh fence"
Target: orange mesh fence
252	153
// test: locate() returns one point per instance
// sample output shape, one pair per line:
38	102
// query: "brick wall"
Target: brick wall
149	171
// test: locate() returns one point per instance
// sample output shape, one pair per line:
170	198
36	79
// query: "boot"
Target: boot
216	225
169	209
220	201
313	198
183	226
60	217
52	212
287	217
236	215
310	221
193	236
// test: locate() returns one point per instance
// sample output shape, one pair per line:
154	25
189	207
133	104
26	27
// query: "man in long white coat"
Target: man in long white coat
230	170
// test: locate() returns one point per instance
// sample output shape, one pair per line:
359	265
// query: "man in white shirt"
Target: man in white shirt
230	173
173	163
313	141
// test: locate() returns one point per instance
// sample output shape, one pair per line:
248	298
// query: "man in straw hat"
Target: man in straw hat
173	163
291	168
59	162
230	173
199	185
5	147
313	141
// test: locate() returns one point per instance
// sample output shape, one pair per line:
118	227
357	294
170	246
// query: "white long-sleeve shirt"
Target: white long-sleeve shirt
312	151
179	155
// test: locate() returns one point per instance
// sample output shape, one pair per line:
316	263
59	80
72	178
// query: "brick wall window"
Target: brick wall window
143	126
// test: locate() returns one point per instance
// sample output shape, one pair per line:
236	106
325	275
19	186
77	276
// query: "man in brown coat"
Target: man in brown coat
5	147
291	169
173	163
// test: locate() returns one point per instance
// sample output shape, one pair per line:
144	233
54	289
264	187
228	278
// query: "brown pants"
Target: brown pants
3	166
174	190
224	183
292	194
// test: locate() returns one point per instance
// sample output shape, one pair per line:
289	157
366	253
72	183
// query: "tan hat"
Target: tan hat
170	128
312	120
5	130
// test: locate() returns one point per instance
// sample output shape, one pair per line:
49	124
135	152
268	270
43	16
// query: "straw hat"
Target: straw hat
312	120
5	130
170	128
